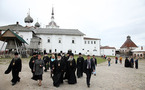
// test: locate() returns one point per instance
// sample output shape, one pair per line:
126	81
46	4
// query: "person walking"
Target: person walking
80	61
46	61
15	66
120	59
88	67
136	63
116	60
38	69
95	63
109	60
58	71
71	68
31	63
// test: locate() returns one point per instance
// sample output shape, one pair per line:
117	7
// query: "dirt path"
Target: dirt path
115	77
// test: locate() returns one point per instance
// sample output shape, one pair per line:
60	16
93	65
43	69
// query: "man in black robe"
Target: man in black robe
15	66
66	69
31	63
71	68
127	63
58	71
80	61
46	61
89	67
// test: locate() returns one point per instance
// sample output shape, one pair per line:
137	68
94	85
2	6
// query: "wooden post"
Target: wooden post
16	45
2	46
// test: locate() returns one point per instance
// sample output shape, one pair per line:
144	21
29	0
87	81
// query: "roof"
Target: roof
54	31
107	47
128	43
16	27
87	38
9	34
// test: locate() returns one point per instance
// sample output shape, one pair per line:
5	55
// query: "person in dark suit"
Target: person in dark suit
95	63
15	66
31	63
88	68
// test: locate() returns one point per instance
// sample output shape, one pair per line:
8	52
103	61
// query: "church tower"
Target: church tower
28	20
52	24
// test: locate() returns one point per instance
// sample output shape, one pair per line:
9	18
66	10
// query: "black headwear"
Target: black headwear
16	53
59	54
80	54
71	54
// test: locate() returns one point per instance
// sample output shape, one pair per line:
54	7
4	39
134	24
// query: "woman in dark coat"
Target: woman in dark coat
52	59
38	69
71	68
15	66
127	63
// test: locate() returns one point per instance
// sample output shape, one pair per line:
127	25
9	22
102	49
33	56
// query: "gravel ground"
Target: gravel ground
115	77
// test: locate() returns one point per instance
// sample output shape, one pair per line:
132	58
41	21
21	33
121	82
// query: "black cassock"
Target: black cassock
58	72
71	68
80	61
31	65
127	63
15	66
46	61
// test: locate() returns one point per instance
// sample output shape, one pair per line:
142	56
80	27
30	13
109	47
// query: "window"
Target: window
88	42
112	50
48	40
73	41
94	42
55	50
91	42
59	41
85	42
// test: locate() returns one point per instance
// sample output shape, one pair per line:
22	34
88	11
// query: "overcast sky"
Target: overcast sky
110	20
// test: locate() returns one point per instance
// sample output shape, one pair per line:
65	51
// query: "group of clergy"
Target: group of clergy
63	67
130	62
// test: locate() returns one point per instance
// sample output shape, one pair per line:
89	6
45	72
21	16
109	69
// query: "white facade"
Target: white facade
57	43
91	46
108	51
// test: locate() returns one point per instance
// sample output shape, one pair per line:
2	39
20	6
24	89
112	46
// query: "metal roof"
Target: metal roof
16	27
7	36
53	31
88	38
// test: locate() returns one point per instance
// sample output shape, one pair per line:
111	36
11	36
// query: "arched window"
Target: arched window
73	40
59	40
48	40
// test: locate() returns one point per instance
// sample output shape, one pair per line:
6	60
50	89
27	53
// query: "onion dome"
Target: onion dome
28	19
37	24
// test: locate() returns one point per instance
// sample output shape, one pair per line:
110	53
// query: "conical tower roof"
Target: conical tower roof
128	43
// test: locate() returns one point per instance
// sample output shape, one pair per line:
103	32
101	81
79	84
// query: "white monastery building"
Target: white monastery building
53	39
108	51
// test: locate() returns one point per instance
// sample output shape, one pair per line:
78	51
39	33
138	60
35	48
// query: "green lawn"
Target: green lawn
99	59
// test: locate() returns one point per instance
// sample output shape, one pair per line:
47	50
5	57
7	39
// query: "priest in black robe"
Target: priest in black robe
71	68
46	62
15	66
127	63
80	61
58	71
31	63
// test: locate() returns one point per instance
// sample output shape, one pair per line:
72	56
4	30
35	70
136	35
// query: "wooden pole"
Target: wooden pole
2	46
16	45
